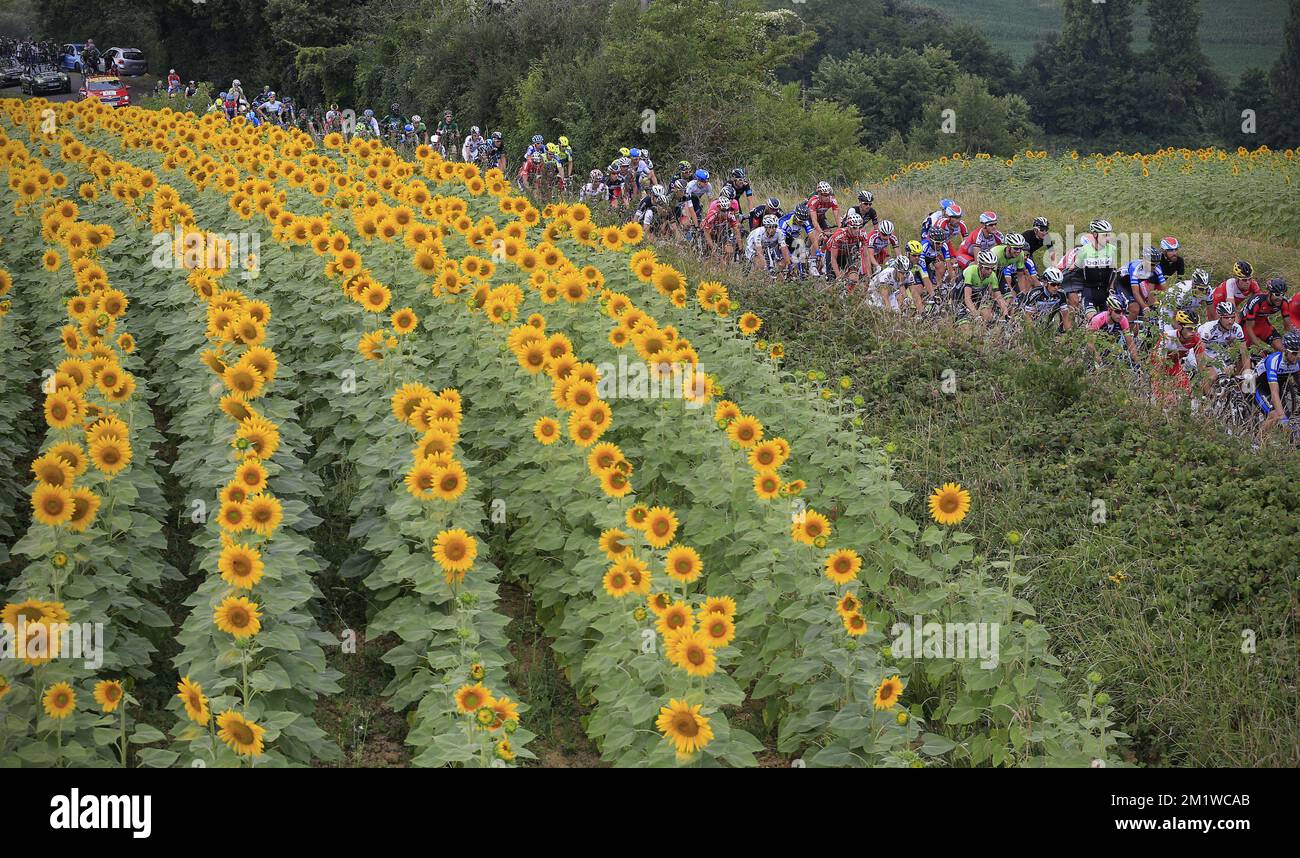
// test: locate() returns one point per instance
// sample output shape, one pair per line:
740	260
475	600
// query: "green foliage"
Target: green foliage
983	122
888	89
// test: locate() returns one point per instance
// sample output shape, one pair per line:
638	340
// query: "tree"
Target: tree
1082	83
889	91
1283	123
969	119
1178	77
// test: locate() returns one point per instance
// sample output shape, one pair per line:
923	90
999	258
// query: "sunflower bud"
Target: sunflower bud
1102	698
59	560
902	718
1013	537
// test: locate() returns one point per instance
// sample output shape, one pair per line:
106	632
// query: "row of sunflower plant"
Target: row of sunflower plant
16	357
82	613
252	656
469	642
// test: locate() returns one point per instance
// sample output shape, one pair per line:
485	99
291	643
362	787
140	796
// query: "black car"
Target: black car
10	75
44	81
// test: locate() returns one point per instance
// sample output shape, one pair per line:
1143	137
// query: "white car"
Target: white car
125	61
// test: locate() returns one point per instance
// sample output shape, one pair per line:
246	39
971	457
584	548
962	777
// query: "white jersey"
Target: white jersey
1216	338
759	239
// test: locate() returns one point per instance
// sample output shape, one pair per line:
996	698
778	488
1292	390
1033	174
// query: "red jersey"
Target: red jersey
1234	289
1291	311
845	240
818	204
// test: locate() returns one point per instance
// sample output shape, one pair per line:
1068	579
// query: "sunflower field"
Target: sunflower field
229	339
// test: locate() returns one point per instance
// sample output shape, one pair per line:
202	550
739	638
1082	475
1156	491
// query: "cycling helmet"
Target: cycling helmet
1154	254
1040	223
1201	277
902	263
725	193
595	174
368	113
683	166
738	173
659	192
496	135
552	148
1277	287
1053	275
987	258
1291	341
416	118
408	128
536	157
886	227
952	210
235	82
564	141
537	138
394	107
914	246
774	204
1169	243
1015	241
1100	225
866	197
853	220
944	203
938	234
823	187
473	129
1116	303
1225	308
988	219
801	211
635	153
1184	317
702	175
447	113
769	220
1243	269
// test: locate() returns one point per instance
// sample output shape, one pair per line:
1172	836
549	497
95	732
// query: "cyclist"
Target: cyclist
758	212
1136	281
947	211
1046	302
645	170
905	272
618	176
564	157
494	154
740	187
986	237
595	189
937	249
768	240
1094	262
173	83
1255	314
978	280
655	212
473	142
1218	335
1291	313
1269	375
448	132
1016	270
840	247
368	125
394	121
865	208
1237	288
723	212
1180	352
698	191
531	172
1171	264
1113	321
882	243
1036	237
821	202
797	227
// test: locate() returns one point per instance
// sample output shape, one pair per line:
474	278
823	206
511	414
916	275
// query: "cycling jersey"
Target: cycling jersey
978	285
1107	323
739	188
758	212
844	241
1171	267
787	225
649	212
594	191
1179	355
730	215
1271	369
1254	317
867	213
954	226
1215	337
984	238
1096	263
1009	263
881	246
1291	311
1234	289
819	206
1043	304
759	240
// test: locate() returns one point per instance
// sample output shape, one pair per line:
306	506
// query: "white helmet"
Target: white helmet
596	174
1052	275
1015	240
853	220
886	227
769	220
1100	225
235	82
659	192
473	129
415	118
823	187
902	262
988	258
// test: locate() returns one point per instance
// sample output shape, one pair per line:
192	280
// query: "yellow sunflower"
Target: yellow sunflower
238	616
455	550
682	563
241	735
949	504
196	705
843	565
108	694
59	701
684	726
660	526
888	693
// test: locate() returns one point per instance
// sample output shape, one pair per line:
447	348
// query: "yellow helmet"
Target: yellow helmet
551	147
625	151
914	246
1183	319
564	141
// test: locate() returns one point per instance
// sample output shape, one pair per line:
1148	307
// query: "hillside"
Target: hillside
1236	36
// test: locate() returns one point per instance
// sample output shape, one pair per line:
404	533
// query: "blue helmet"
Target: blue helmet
635	153
702	175
537	138
408	127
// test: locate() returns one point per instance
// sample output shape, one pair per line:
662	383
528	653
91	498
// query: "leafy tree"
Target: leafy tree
979	122
1283	122
1179	82
889	91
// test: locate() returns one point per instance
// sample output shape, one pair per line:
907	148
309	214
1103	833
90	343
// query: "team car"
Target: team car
45	80
108	88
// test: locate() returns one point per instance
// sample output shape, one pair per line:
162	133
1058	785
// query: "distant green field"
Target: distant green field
1235	35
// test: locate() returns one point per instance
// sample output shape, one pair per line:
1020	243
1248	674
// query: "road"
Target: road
139	87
